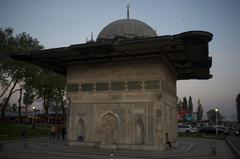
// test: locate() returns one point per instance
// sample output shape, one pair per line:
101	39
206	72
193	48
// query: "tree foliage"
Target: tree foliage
31	81
50	87
179	105
238	107
13	72
190	105
212	115
199	110
185	104
185	108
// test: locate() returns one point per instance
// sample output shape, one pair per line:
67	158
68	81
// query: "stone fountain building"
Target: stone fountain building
122	87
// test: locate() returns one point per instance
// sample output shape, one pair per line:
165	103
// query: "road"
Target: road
43	148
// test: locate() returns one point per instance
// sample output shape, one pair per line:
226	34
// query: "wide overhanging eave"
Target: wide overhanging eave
186	52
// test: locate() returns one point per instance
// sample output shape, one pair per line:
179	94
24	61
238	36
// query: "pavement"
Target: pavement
234	143
188	148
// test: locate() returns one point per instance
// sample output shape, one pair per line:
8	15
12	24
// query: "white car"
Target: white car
187	129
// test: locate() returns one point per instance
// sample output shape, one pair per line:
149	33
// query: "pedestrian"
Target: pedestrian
230	130
58	131
24	134
63	132
168	143
53	132
80	138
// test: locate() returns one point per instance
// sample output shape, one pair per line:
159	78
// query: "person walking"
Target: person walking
53	132
63	132
58	131
168	143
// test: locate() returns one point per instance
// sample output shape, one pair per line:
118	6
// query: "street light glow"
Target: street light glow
216	110
33	120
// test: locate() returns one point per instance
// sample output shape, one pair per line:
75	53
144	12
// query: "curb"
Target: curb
233	147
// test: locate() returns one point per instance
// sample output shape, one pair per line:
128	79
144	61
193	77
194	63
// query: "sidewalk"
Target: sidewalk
234	143
47	149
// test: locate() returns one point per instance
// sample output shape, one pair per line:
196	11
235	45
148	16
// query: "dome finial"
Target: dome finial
128	7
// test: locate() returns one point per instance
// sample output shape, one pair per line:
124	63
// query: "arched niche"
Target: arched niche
109	129
81	129
139	132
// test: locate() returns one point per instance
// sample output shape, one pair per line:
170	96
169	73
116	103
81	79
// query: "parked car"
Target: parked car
207	130
223	129
187	129
212	130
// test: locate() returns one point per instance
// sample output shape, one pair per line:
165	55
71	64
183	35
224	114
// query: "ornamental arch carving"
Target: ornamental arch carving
81	129
139	132
109	128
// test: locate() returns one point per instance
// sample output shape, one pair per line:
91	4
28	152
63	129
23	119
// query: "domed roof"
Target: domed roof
126	29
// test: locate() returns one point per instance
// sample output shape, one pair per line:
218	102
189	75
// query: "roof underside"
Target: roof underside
186	52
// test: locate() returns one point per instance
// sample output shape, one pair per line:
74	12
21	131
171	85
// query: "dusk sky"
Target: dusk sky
58	23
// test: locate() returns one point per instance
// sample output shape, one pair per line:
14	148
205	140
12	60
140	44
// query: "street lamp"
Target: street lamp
33	121
216	110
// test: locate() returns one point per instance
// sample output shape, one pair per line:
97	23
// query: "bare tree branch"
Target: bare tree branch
9	84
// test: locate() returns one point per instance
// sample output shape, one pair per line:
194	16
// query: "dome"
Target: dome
126	29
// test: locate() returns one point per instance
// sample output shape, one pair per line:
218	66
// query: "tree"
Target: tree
179	105
60	92
184	107
57	101
32	81
179	109
20	105
29	93
199	111
28	96
50	87
238	107
211	115
185	104
190	105
13	72
44	89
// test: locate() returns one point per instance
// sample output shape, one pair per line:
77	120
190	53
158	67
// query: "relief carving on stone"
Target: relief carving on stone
109	127
81	130
139	132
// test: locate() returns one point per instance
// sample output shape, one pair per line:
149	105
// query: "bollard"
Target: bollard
213	149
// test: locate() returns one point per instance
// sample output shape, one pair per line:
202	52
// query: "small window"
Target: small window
87	87
116	86
134	85
73	87
102	86
153	84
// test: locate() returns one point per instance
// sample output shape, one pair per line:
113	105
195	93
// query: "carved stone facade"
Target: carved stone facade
129	105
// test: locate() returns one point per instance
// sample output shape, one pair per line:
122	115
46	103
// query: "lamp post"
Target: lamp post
33	121
216	110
